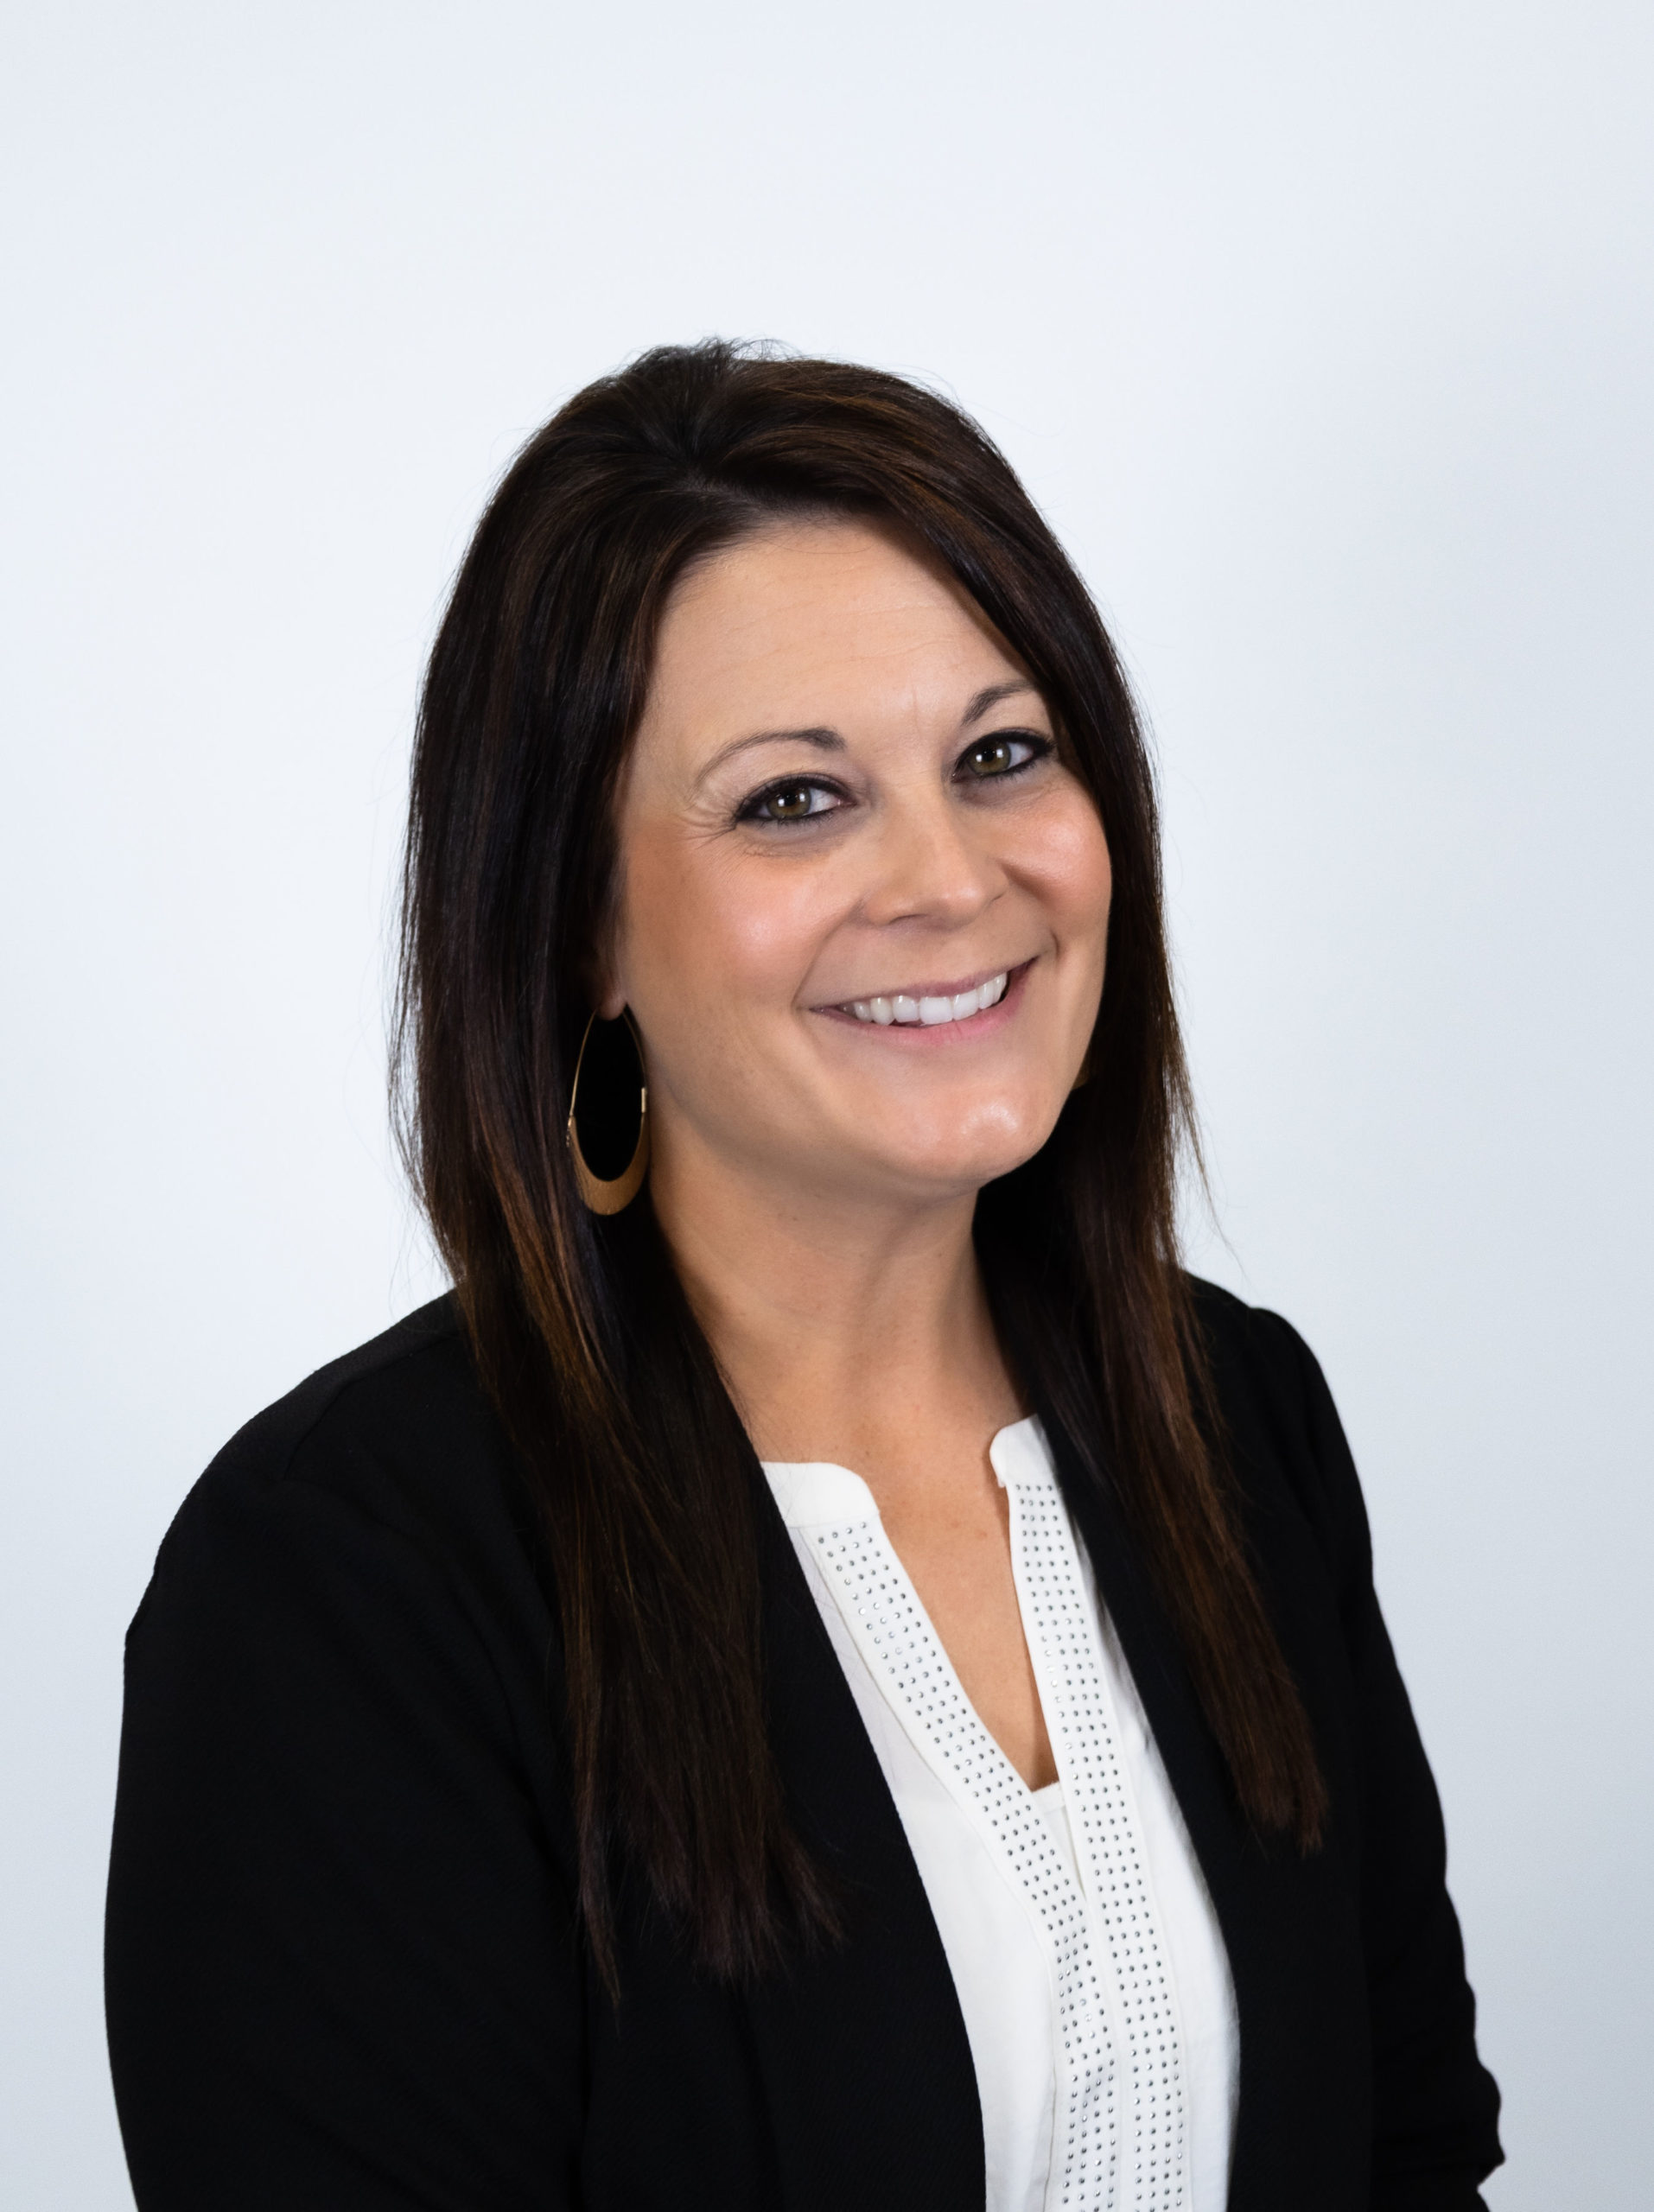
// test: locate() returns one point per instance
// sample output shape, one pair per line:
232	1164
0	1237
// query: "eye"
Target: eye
1003	754
796	800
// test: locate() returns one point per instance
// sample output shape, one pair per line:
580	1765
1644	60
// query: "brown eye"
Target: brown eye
787	803
807	800
991	758
1002	755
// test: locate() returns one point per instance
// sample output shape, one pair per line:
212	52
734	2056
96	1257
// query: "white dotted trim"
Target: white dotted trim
1120	2118
1062	1631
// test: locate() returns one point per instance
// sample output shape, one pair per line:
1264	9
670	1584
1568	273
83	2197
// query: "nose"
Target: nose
934	865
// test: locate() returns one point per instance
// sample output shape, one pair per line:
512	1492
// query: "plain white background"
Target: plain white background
1322	332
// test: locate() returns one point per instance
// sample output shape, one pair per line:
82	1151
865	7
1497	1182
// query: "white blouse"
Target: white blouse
1082	1945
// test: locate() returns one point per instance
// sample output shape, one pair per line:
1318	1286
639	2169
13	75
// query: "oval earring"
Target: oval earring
610	1194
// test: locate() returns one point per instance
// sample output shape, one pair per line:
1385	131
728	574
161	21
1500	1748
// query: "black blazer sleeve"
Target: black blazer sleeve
1434	2105
340	1968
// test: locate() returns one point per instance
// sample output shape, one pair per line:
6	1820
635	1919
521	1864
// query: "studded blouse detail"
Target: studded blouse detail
1114	2135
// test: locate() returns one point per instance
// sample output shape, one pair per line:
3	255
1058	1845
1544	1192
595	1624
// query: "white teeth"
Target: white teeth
932	1012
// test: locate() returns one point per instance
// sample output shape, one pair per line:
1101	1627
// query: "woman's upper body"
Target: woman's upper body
767	714
344	1963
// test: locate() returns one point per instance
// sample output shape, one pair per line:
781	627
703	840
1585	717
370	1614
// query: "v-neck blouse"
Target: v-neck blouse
1085	1951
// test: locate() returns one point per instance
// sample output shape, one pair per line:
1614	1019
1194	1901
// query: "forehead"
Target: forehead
819	622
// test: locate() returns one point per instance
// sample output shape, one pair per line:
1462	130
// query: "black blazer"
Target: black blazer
343	1968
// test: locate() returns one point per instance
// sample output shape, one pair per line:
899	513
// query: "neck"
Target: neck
841	1322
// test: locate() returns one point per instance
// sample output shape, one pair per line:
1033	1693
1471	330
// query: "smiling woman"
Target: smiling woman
828	1671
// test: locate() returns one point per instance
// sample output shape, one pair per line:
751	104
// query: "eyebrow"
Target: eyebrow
825	740
991	698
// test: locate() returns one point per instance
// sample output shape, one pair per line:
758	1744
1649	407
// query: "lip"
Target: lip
918	1036
925	990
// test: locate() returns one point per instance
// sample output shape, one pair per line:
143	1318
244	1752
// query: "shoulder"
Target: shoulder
1278	1427
392	1453
418	1371
1258	1360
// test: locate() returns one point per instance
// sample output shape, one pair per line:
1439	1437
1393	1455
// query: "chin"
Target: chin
954	1161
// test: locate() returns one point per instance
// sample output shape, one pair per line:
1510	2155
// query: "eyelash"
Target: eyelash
1039	747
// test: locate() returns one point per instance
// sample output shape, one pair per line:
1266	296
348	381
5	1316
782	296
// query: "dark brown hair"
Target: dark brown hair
647	1485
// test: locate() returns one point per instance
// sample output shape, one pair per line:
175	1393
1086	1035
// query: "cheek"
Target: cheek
772	919
704	921
1066	865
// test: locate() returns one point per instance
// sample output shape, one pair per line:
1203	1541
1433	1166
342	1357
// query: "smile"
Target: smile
930	1010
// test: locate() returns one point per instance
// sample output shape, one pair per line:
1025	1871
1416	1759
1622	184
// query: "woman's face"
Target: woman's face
862	903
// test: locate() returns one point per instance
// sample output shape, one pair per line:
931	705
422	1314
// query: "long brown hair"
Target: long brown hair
647	1485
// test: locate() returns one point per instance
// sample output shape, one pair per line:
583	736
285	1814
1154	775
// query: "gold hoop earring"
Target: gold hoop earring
601	1194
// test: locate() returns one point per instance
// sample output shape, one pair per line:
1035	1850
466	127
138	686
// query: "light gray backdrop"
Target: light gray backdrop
1323	334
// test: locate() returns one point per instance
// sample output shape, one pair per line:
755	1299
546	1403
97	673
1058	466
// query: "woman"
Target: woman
827	1673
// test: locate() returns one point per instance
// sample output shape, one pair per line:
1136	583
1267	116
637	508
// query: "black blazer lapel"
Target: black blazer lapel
863	2046
1289	1923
